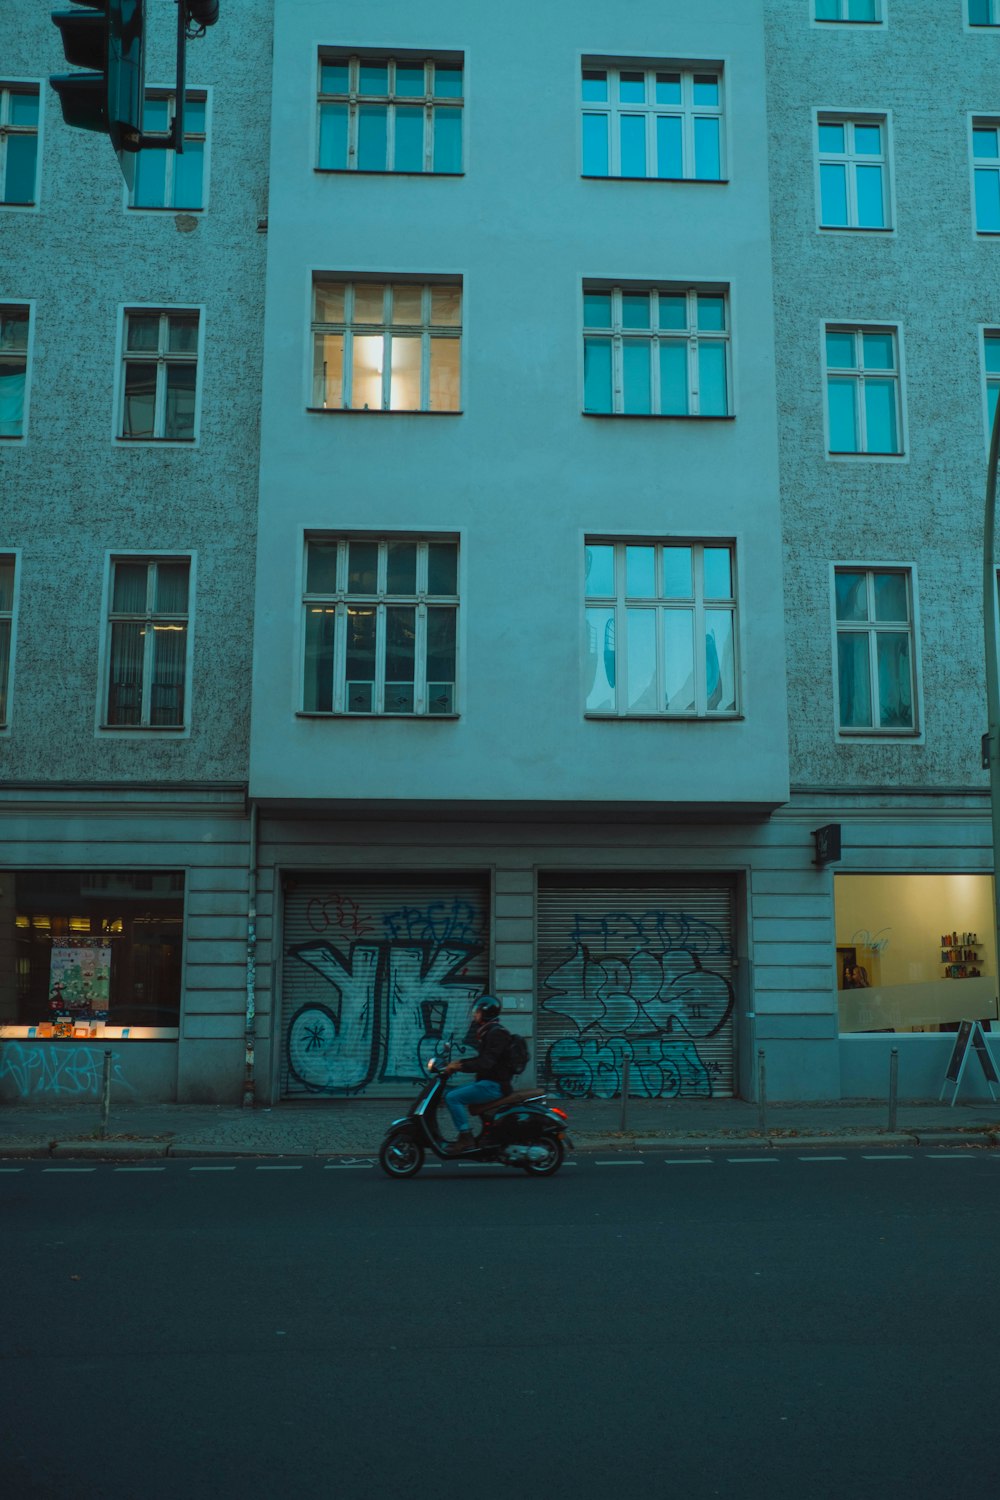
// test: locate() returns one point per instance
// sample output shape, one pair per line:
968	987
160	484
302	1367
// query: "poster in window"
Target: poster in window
80	977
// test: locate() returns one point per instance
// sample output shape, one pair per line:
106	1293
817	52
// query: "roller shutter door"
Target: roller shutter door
637	970
375	973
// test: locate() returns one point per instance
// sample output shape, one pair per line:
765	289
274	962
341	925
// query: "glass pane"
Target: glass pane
843	417
447	140
633	145
678	660
166	691
992	348
707	149
401	568
862	10
668	88
880	417
711	313
706	88
599	571
851	595
674	400
404	375
143	332
441	645
669	146
833	194
400	644
677	573
360	697
129	590
332	136
6	583
720	661
831	136
895	691
446	306
841	350
5	631
188	169
317	686
984	143
871	212
673	311
329	297
440	697
362	567
12	384
992	392
368	352
447	81
328	370
372	137
156	114
640	572
194	117
890	597
13	328
878	351
321	568
24	108
988	202
636	376
182	381
597	389
641	695
596	162
125	674
360	656
979	13
373	78
182	333
868	140
854	681
599	660
595	84
442	568
718	573
171	588
713	397
597	309
410	81
333	78
446	383
635	310
22	156
632	88
140	400
408	150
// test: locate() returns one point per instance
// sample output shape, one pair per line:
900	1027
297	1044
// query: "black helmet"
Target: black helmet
489	1007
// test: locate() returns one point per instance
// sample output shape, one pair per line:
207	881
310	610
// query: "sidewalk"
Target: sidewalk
355	1127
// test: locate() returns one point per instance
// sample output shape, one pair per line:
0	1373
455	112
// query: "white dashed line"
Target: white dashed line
11	1169
957	1155
211	1169
902	1156
822	1158
755	1160
69	1169
140	1169
282	1168
349	1166
688	1161
619	1163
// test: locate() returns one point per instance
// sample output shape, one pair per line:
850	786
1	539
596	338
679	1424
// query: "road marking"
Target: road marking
757	1160
347	1166
140	1169
957	1155
822	1158
282	1168
11	1169
69	1169
211	1169
619	1163
688	1161
900	1156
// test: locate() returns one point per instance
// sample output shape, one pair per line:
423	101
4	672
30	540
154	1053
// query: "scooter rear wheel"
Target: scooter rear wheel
550	1163
401	1156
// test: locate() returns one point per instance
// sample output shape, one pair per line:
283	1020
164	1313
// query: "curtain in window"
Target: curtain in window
12	380
125	675
169	657
4	667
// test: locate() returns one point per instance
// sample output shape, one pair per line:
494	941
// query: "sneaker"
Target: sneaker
465	1142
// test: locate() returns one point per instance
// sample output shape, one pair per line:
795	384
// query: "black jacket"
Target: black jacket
490	1063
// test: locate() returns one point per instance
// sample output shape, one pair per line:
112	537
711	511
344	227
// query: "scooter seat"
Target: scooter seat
519	1096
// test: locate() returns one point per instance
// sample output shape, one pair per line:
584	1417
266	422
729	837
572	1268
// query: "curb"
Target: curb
109	1150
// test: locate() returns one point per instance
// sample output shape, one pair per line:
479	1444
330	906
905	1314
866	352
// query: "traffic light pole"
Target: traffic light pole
991	756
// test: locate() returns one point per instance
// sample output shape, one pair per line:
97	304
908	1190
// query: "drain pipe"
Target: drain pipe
251	1011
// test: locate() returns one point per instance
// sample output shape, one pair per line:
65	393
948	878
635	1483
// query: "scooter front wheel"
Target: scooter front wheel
401	1156
544	1166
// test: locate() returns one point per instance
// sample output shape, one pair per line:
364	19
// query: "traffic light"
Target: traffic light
105	37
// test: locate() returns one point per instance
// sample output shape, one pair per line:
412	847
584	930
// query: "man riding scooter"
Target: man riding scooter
490	1066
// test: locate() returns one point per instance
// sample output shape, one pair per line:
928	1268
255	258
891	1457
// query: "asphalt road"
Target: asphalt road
803	1326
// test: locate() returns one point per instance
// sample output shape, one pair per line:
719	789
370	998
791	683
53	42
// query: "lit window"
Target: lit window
660	120
380	346
18	143
390	114
986	174
160	383
853	173
656	351
147	643
7	573
14	322
380	626
862	386
876	686
168	179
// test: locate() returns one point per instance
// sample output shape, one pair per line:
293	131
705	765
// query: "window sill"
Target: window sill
378	172
852	455
878	736
372	411
857	229
687	718
657	416
315	713
163	208
163	442
621	177
144	728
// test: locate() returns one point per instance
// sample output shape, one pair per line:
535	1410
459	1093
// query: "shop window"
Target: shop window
92	952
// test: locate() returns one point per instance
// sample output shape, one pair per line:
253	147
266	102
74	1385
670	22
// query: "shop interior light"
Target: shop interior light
43	924
79	924
22	921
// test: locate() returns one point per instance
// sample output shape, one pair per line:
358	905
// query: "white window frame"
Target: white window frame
858	326
688	111
339	601
850	159
10	86
845	19
871	627
160	358
977	26
980	121
618	334
29	308
170	95
355	100
9	617
621	602
144	729
989	334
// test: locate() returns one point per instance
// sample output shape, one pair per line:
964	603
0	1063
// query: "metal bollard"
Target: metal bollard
762	1092
626	1069
106	1094
893	1086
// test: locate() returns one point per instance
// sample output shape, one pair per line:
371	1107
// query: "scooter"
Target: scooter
519	1130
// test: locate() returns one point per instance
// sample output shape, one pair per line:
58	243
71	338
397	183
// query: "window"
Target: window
380	626
7	573
853	173
164	179
147	651
160	383
849	10
655	351
862	384
660	628
380	346
390	114
875	671
984	12
18	143
986	174
14	320
659	121
991	365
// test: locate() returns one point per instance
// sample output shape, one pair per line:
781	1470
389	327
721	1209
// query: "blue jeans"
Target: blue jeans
469	1093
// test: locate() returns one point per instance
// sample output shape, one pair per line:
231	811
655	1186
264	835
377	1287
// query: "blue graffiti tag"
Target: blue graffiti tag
59	1071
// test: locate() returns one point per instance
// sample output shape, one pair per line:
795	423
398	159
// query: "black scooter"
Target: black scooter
519	1130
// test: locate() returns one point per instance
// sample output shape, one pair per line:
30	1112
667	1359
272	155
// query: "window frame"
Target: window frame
870	627
618	333
846	20
169	93
651	110
859	327
151	557
980	26
979	121
850	118
661	604
29	308
164	310
355	100
338	601
988	334
10	86
8	617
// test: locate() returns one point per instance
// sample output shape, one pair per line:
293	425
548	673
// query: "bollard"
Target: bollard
761	1092
105	1094
893	1086
626	1067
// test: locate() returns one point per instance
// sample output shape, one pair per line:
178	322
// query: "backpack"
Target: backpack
517	1056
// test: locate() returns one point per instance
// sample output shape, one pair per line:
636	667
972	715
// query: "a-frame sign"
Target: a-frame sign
970	1038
